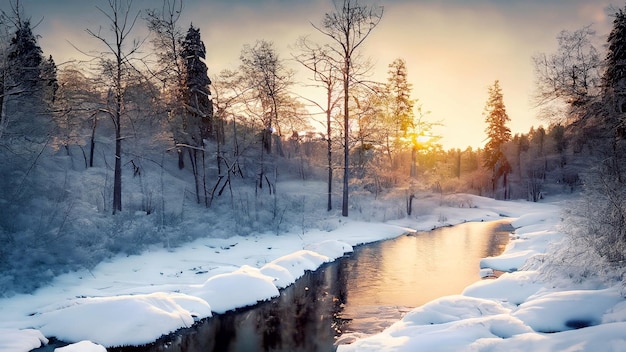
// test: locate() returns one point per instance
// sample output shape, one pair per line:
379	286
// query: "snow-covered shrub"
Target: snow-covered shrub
596	228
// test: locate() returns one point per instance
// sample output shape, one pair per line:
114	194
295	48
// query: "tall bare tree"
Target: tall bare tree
269	79
117	58
347	27
327	75
168	69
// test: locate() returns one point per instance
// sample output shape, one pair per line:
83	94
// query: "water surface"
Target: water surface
359	294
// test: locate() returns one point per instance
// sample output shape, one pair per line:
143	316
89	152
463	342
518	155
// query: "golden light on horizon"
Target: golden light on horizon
453	49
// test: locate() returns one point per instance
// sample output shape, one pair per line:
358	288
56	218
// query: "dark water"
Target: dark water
362	293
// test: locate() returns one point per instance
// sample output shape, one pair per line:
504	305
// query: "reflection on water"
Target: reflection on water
386	280
358	294
303	318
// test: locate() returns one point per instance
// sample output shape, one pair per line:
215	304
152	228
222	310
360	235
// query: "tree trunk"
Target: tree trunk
92	144
193	157
346	139
329	152
117	178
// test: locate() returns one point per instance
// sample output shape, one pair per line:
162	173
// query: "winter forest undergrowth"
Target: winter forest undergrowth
127	151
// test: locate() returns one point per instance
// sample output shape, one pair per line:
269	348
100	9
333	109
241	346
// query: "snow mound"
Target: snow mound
14	340
535	218
119	320
567	310
452	336
333	249
299	262
605	337
241	288
513	288
288	268
452	308
281	276
617	314
508	261
518	251
82	346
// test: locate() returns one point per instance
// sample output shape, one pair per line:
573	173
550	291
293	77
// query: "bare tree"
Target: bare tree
347	28
269	79
166	41
327	75
117	58
75	105
266	72
572	74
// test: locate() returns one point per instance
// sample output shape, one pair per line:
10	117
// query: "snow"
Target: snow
560	311
241	288
120	315
82	346
133	300
514	288
16	340
519	311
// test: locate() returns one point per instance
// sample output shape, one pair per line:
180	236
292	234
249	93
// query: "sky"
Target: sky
454	49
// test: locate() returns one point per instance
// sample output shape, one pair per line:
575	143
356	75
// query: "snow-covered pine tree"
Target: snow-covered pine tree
22	85
25	57
498	134
196	93
614	78
399	90
197	114
49	79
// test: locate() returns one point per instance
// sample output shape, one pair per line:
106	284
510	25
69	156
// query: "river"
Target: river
357	295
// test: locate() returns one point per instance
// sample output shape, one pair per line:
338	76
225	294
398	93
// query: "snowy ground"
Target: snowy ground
133	300
522	310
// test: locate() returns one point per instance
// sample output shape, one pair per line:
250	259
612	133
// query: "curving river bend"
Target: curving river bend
357	295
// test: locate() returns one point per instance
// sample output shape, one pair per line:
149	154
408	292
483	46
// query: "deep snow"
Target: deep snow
135	299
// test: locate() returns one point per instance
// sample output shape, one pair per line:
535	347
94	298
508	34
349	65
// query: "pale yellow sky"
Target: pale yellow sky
454	49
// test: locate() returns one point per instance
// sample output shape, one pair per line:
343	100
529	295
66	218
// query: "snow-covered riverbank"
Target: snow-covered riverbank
523	310
135	299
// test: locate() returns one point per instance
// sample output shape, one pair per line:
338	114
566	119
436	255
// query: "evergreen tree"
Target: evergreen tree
195	90
22	86
615	74
400	96
197	113
497	131
25	57
498	135
49	79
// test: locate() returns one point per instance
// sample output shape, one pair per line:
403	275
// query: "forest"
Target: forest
137	146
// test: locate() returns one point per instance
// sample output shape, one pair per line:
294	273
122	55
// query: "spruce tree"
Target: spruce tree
197	113
615	75
497	131
195	90
22	100
400	97
49	79
498	134
25	57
